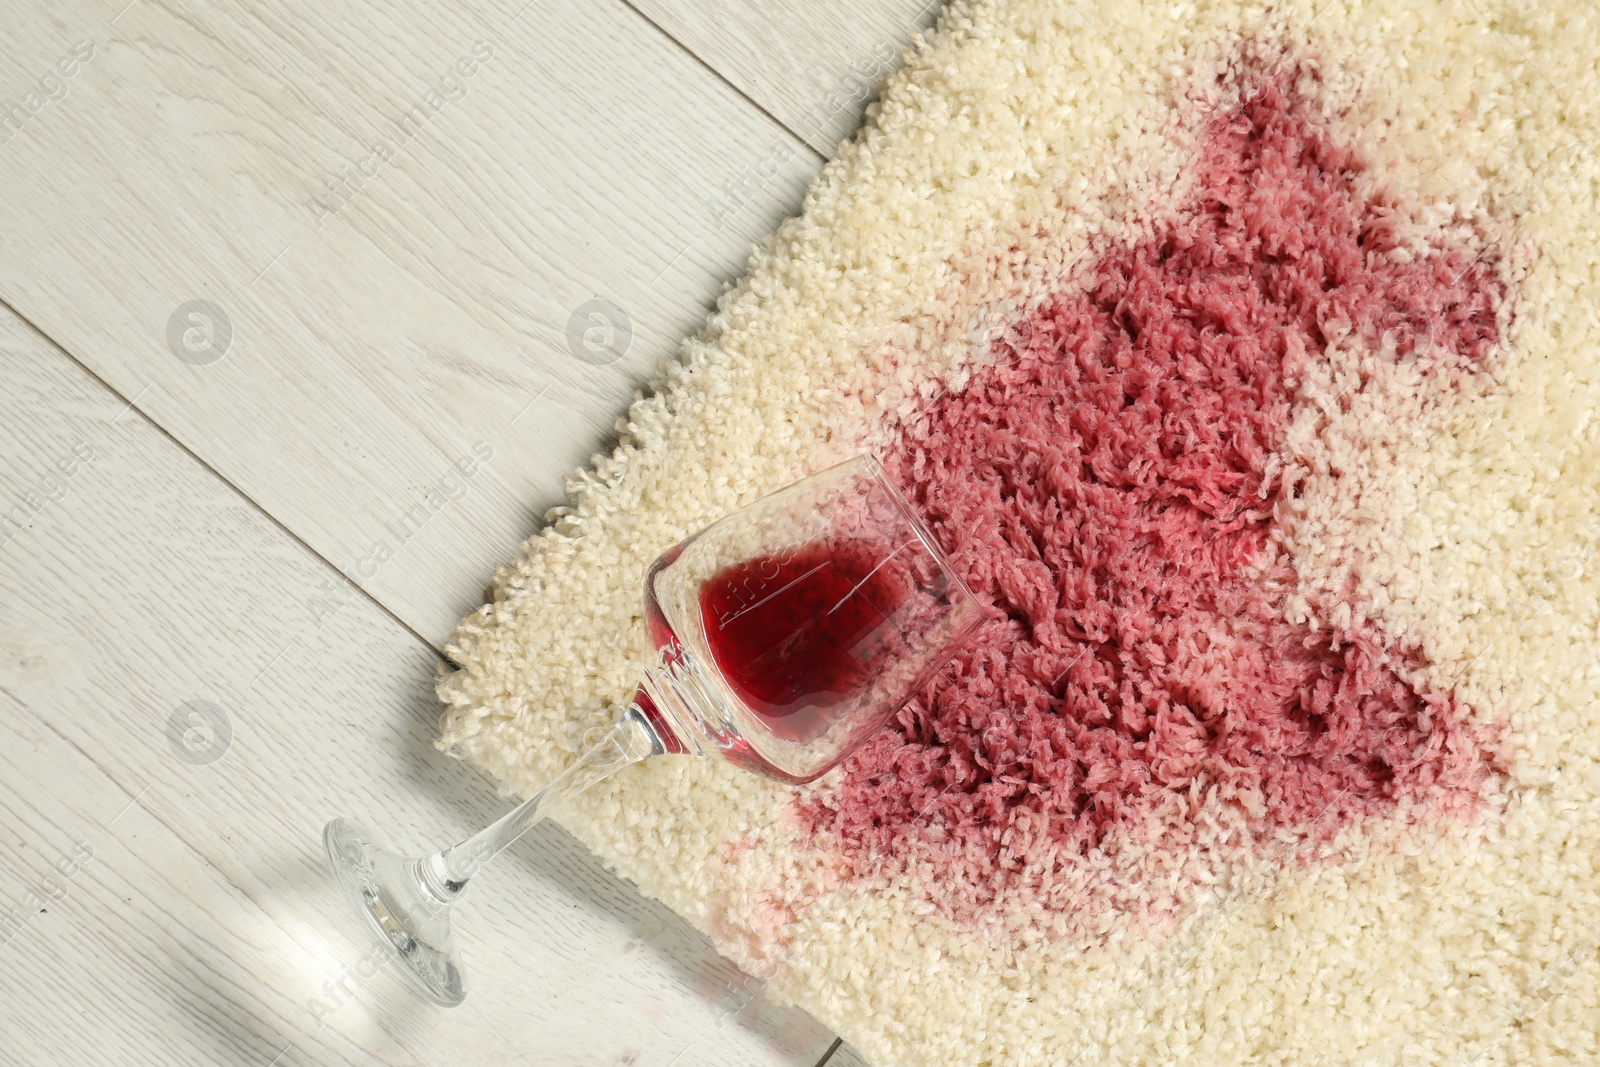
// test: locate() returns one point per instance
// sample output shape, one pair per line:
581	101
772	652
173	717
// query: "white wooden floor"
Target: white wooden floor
267	271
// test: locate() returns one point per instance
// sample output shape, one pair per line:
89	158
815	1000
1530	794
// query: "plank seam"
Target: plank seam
6	303
828	1055
717	74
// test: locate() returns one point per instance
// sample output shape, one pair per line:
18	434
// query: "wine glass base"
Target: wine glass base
408	923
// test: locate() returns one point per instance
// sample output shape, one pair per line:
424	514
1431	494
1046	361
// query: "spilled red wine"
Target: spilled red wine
802	632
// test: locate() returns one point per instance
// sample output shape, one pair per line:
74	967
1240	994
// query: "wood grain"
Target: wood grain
398	291
845	1056
202	928
813	67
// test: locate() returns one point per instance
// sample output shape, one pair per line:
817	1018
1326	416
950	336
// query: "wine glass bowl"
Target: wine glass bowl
784	636
791	630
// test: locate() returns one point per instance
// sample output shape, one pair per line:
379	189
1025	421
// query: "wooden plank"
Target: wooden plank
180	912
381	224
812	67
846	1056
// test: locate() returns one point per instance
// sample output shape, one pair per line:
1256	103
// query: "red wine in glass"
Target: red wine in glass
785	635
793	636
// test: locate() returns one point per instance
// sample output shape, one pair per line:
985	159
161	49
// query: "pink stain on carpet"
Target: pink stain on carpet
1105	486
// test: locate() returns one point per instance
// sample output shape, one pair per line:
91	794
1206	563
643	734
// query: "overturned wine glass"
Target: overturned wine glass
785	635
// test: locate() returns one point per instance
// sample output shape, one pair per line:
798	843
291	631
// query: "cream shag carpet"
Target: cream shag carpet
1244	358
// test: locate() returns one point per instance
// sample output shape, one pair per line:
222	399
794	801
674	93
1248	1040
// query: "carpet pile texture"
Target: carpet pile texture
1245	358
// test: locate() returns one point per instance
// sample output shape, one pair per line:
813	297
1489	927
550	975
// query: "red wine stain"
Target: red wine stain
1105	486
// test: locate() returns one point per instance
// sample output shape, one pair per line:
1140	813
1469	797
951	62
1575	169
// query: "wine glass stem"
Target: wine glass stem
446	873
